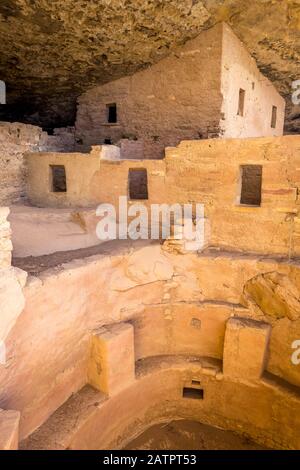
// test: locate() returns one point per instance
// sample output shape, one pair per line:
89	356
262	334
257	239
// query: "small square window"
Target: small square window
138	183
251	183
58	179
241	107
111	113
274	117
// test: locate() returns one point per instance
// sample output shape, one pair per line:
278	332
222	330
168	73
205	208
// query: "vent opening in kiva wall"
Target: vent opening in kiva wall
58	178
138	183
194	393
251	183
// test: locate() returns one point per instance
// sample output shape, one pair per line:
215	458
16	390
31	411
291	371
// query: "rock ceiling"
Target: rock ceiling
52	50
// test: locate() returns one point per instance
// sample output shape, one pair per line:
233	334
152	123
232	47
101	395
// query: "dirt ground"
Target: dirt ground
190	435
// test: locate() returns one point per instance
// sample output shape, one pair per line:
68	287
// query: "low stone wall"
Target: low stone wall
15	140
200	172
12	281
5	240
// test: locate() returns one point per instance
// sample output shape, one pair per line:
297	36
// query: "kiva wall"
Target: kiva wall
174	306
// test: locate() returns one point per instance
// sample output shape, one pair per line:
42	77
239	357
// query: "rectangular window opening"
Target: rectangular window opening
111	113
196	382
58	179
194	393
274	117
138	183
251	183
241	107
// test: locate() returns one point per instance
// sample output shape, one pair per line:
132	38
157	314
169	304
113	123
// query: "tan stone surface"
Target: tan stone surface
239	71
65	304
111	362
5	239
98	46
206	172
274	294
245	348
262	411
58	230
192	94
15	140
9	430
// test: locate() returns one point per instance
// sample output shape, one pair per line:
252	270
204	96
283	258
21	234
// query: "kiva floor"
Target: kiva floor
190	435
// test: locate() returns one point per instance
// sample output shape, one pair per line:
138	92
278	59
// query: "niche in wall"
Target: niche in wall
274	117
251	183
241	106
193	393
58	179
138	183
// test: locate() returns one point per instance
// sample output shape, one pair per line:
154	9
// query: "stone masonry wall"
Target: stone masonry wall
176	308
178	98
192	94
239	71
5	241
12	281
15	140
206	172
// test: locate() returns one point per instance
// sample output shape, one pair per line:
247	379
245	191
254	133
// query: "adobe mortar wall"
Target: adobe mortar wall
239	71
192	94
177	98
205	172
12	281
15	140
208	172
91	421
159	293
5	239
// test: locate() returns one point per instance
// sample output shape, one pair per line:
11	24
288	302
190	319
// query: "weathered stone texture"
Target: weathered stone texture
94	42
15	140
245	348
206	172
174	305
111	364
192	94
9	429
5	241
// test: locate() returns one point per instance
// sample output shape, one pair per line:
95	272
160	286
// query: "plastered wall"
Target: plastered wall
178	305
204	172
178	98
192	94
239	71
